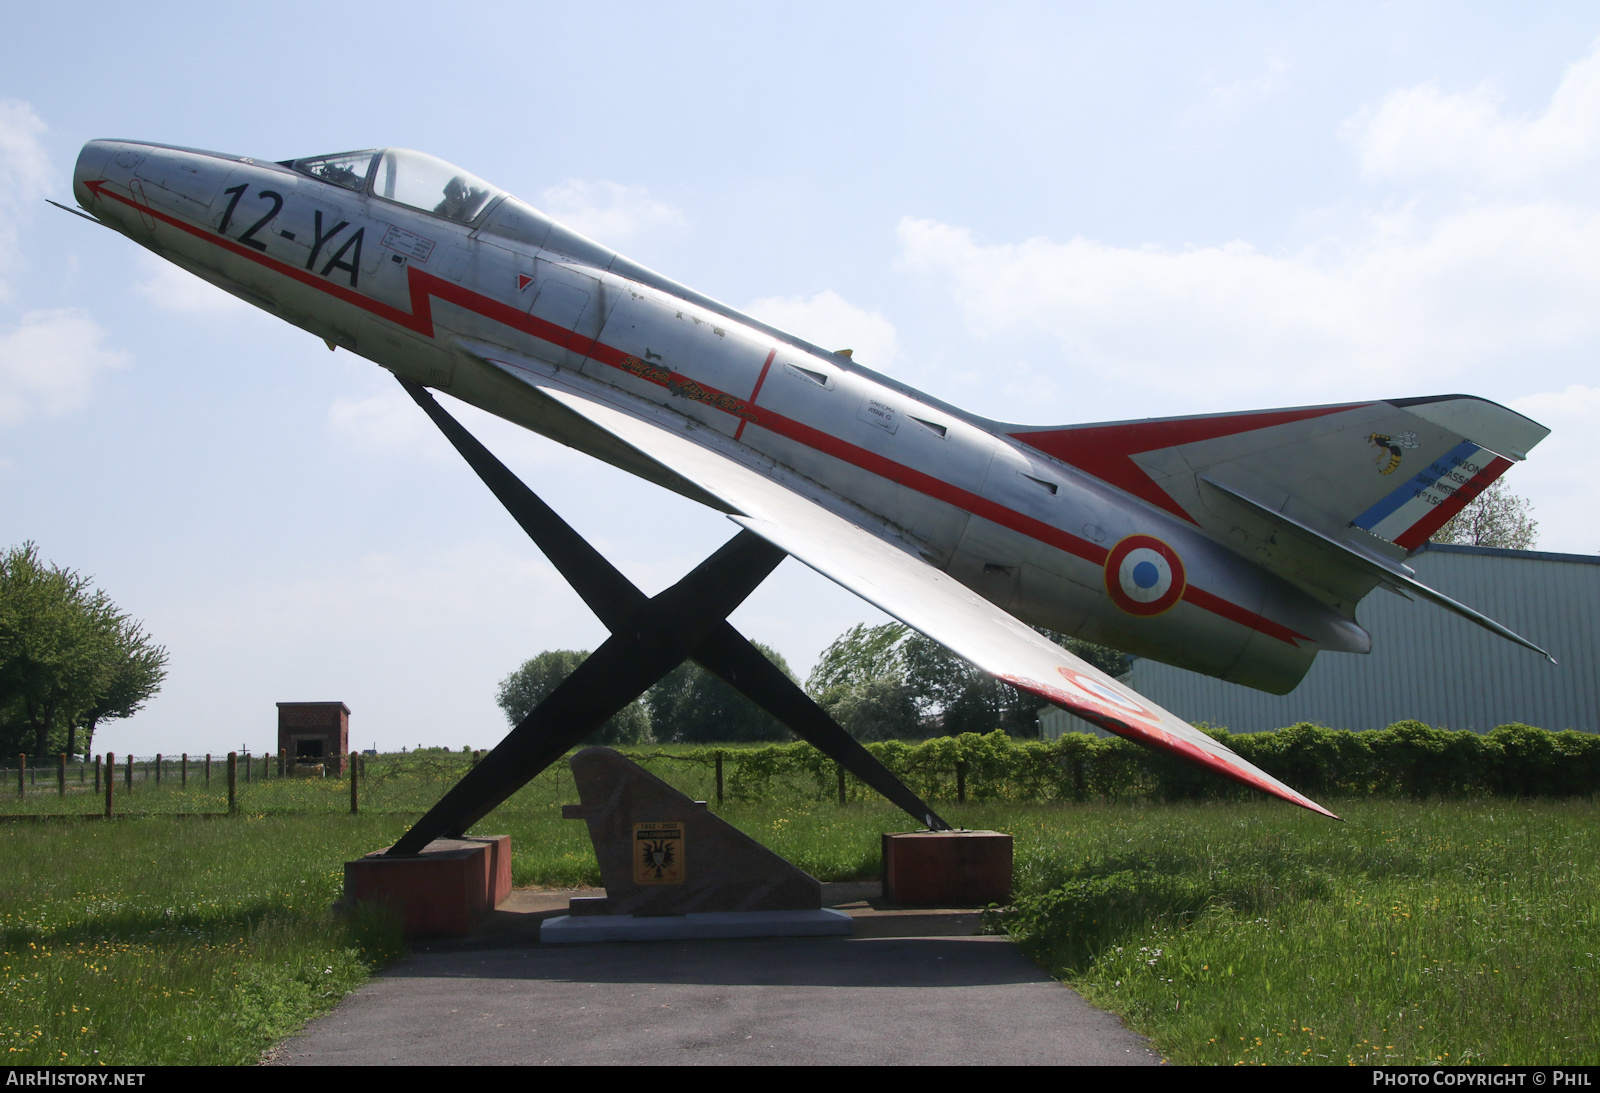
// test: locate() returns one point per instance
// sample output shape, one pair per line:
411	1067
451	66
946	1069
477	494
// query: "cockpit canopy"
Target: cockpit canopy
414	179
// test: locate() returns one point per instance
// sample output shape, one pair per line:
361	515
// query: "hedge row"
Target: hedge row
1407	759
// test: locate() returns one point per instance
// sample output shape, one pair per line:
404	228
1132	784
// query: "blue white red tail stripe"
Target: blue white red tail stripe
1422	504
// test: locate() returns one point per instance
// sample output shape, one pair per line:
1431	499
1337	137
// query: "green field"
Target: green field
177	941
1453	932
1416	932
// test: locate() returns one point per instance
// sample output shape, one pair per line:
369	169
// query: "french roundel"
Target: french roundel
1144	575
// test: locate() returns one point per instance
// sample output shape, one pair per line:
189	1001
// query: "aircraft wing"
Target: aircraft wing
898	582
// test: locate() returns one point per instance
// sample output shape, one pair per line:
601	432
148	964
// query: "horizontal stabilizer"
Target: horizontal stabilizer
1369	480
1394	574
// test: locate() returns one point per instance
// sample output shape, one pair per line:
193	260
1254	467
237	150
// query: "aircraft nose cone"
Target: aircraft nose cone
104	160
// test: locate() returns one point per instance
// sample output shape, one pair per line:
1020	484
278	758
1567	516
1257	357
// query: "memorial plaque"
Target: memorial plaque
658	853
641	829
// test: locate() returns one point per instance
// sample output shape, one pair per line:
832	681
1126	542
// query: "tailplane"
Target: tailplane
1333	498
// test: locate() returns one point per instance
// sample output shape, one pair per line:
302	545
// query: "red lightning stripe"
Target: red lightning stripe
756	391
1107	451
424	287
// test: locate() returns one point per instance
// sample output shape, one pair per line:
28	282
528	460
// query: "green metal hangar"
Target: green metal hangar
1427	664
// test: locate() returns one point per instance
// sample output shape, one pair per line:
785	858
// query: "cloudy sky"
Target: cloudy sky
1047	213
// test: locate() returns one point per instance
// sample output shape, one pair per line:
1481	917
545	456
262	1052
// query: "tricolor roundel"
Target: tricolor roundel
1144	576
1115	705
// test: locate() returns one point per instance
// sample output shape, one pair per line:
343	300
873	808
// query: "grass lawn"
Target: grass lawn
1229	932
177	941
1416	933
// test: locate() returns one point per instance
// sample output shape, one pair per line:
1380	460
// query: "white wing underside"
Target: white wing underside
895	581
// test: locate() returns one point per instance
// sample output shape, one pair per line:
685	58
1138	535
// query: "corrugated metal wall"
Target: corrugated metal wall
1429	664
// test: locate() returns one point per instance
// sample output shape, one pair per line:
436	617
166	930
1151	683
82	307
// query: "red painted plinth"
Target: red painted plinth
441	892
947	868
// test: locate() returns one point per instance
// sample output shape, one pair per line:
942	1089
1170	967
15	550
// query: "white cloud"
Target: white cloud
1492	295
1559	473
25	175
387	421
1226	101
610	213
1422	130
176	289
829	320
48	363
1410	303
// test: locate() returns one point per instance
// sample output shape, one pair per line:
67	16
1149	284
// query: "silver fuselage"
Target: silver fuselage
465	308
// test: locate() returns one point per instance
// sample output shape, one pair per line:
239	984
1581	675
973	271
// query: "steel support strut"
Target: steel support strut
650	636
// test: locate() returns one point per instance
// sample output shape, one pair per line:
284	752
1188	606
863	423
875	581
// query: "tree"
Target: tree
961	697
68	656
523	690
691	706
860	680
129	677
879	709
1495	518
1112	662
859	655
887	681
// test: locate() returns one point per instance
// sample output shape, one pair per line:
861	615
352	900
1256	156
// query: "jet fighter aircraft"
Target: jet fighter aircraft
1238	545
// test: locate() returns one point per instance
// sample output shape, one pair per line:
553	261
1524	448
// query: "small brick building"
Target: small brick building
315	732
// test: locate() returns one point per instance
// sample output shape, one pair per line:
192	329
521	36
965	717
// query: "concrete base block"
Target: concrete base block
947	868
441	892
571	929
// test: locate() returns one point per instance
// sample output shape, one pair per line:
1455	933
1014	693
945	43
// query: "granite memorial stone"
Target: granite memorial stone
663	853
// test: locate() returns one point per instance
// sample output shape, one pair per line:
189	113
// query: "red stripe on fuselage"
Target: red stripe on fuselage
755	392
423	287
1107	451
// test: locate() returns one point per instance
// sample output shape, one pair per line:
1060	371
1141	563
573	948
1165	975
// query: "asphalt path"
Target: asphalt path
886	996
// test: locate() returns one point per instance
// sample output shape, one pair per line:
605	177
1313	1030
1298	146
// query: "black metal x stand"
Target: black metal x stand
650	636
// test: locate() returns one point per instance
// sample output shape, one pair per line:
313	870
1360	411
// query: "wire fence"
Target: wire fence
410	782
1407	759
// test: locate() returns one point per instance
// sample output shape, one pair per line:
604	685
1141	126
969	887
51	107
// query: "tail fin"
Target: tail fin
1330	497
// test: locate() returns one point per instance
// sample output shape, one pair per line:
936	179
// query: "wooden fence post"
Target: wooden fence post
158	768
97	776
208	768
233	782
183	770
961	782
111	779
61	776
128	778
355	778
719	779
22	774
